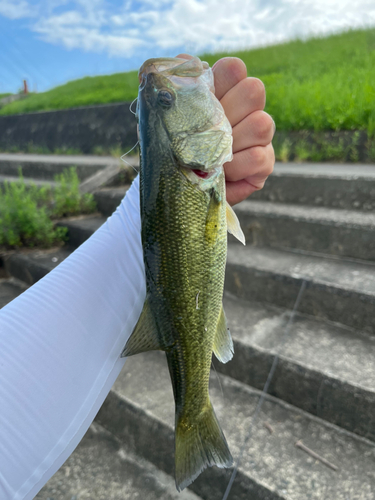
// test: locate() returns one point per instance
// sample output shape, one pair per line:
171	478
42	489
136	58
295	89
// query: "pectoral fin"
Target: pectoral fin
144	337
223	344
233	225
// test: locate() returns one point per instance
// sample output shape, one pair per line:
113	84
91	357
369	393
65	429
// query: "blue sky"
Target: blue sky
49	42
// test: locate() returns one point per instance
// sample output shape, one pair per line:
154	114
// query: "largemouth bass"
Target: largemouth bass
185	138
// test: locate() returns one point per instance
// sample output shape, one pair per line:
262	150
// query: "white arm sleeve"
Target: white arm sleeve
60	346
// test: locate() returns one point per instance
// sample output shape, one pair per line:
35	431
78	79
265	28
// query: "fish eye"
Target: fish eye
165	98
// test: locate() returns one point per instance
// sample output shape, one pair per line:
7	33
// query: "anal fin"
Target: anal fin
144	337
223	343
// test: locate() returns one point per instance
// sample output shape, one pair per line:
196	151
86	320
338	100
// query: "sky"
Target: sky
49	42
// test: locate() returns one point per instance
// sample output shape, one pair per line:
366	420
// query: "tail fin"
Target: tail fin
199	445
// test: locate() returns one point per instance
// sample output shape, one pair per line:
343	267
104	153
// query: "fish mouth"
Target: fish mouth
170	67
200	177
201	173
173	66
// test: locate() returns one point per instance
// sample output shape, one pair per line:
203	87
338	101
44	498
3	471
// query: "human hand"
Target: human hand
243	100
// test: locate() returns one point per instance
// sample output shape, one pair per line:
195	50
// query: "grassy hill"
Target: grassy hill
318	84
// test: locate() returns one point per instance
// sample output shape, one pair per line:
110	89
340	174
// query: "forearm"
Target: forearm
60	344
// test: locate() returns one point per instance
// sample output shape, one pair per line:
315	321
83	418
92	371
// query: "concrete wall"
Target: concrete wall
111	126
107	126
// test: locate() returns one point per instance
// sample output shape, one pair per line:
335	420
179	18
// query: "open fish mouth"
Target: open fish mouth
202	173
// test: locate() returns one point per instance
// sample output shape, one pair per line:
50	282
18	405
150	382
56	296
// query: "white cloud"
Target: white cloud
120	29
13	9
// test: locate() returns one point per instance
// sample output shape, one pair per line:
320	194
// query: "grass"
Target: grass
342	146
5	95
27	212
83	92
318	84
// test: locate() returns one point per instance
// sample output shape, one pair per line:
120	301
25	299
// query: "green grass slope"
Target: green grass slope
321	84
318	84
84	92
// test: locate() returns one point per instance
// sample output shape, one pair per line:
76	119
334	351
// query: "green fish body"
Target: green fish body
185	139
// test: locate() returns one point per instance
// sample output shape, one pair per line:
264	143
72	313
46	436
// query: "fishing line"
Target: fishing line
265	388
130	107
218	379
130	150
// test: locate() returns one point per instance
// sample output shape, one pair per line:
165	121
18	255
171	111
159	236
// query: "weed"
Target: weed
285	151
67	198
67	151
23	222
27	211
302	150
371	149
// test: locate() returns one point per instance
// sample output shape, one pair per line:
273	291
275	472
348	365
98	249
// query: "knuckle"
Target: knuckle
263	160
264	126
270	161
258	155
256	88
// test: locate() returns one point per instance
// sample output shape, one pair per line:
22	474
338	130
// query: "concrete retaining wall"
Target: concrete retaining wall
98	129
83	129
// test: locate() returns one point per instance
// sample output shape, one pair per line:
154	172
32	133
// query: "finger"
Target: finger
246	97
254	164
228	72
256	129
238	191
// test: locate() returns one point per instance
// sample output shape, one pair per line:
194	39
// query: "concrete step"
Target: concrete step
80	228
37	182
10	288
337	290
339	232
32	265
108	199
140	411
93	171
103	468
330	231
47	166
325	369
350	187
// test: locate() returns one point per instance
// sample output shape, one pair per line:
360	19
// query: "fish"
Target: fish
185	138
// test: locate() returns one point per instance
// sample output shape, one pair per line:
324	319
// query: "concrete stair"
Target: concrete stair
102	467
323	390
350	187
272	467
340	232
93	171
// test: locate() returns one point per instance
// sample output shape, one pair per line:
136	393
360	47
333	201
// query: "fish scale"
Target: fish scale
184	239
